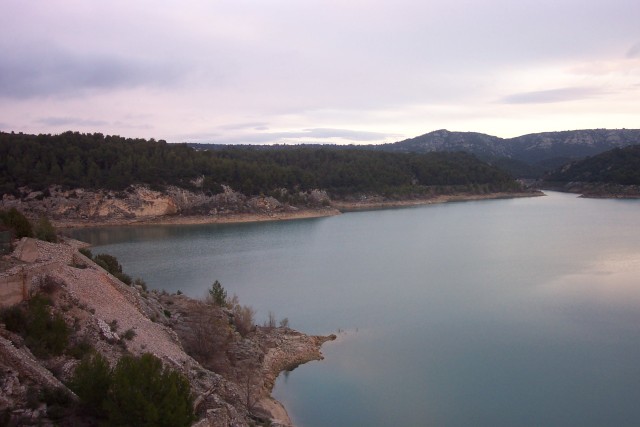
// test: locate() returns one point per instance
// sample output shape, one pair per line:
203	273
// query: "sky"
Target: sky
317	71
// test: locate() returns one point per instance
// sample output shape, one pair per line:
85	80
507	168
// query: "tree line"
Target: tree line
95	161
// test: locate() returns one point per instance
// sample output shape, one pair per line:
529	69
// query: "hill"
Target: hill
615	172
524	156
94	161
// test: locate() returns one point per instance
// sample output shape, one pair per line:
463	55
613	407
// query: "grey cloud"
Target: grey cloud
46	71
634	52
552	95
70	121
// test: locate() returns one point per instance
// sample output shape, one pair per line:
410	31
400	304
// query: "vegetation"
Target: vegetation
94	161
17	222
217	294
21	227
137	392
44	230
618	166
45	334
113	266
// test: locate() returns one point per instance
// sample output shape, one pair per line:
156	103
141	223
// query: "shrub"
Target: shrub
243	318
109	263
81	349
142	393
14	318
129	334
91	381
124	278
86	252
44	334
17	222
44	230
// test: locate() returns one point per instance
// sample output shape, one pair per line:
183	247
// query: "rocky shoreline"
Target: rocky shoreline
140	205
231	381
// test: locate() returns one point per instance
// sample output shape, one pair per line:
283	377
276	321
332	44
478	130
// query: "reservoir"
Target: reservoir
518	312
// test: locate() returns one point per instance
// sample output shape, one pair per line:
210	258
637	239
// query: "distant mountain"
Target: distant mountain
524	156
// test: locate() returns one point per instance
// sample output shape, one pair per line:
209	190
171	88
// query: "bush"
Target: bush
243	319
86	252
91	381
129	334
14	318
45	334
109	263
44	230
124	278
81	349
142	393
17	222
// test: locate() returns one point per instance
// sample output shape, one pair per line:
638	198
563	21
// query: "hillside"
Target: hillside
230	364
95	177
524	156
615	172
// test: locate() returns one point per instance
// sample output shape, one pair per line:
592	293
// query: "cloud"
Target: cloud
552	95
319	135
48	70
634	52
72	122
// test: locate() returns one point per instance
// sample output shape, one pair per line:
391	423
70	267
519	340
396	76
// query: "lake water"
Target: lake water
522	312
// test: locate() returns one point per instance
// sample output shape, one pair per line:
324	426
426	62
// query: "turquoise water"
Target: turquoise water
522	312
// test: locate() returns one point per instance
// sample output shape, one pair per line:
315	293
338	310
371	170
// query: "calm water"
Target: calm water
520	312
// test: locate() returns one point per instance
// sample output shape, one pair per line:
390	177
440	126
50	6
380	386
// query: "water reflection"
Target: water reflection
510	312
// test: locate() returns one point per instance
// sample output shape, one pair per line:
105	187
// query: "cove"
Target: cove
487	313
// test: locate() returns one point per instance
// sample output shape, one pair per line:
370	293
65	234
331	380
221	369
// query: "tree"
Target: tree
217	294
91	381
142	393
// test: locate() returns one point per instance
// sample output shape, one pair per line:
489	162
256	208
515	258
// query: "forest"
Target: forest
618	166
95	161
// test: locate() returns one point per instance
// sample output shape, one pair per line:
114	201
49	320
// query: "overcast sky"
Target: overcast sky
327	71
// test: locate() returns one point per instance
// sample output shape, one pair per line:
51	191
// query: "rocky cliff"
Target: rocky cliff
140	203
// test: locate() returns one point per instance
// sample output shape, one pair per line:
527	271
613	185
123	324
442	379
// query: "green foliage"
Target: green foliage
217	294
91	382
142	393
129	334
137	392
44	230
45	334
81	349
618	166
86	252
14	318
17	222
109	263
112	162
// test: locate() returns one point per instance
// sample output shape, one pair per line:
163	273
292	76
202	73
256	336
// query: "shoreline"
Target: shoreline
336	208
